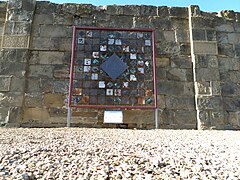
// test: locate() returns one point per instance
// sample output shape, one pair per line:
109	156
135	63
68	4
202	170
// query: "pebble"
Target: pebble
86	153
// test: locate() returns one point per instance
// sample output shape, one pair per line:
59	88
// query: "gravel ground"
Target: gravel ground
80	153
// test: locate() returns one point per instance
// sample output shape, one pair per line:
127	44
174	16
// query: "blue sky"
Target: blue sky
205	5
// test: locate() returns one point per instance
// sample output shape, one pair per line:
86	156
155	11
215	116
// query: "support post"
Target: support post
69	117
156	118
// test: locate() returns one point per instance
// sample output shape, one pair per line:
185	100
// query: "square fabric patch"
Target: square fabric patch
113	68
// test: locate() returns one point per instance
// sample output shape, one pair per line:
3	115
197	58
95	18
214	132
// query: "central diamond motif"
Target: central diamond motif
114	66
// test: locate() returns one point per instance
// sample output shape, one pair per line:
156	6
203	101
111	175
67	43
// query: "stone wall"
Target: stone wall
197	58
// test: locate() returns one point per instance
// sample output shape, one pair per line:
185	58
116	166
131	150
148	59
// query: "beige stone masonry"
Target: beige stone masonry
205	47
5	83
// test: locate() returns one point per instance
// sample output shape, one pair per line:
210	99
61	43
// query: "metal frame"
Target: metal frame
111	106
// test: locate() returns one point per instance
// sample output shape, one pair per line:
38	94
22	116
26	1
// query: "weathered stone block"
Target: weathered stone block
231	103
61	86
205	48
51	57
148	10
1	28
234	119
83	9
43	19
169	35
211	35
185	49
212	61
16	41
230	76
180	102
226	64
206	61
161	101
86	114
179	23
226	50
67	58
163	11
217	119
138	116
166	48
204	119
5	83
33	85
21	10
60	112
202	22
131	10
39	43
61	71
3	6
118	22
207	74
170	87
227	26
17	28
9	99
142	22
216	87
188	89
46	85
18	85
162	23
41	71
178	11
182	35
234	38
13	55
203	88
88	21
230	89
222	37
114	10
34	57
186	118
199	34
161	73
10	116
35	114
65	44
159	37
209	103
3	116
33	99
56	31
12	68
237	50
162	62
166	118
63	19
179	74
53	100
45	7
183	63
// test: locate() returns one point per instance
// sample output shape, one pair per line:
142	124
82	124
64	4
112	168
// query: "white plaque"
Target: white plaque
113	117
